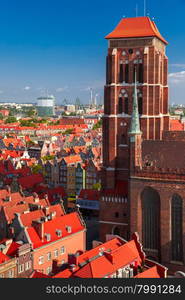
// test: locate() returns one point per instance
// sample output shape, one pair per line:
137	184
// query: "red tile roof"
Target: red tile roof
111	260
136	27
3	257
13	249
31	180
89	194
73	220
176	125
121	189
150	273
72	159
28	218
36	274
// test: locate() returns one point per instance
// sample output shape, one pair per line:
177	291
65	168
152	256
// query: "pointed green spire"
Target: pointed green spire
135	125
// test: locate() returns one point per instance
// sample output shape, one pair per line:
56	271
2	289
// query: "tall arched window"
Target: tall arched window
150	218
126	73
120	105
123	139
140	105
176	228
126	105
141	73
121	73
135	70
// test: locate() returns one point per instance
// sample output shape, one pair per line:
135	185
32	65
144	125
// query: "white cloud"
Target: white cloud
178	65
177	77
62	89
27	88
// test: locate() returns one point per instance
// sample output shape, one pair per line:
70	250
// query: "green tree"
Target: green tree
48	157
36	169
68	131
98	125
97	186
10	119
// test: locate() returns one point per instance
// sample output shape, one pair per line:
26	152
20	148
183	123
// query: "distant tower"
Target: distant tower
91	97
46	106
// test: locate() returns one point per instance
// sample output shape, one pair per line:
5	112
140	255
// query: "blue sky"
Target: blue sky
59	46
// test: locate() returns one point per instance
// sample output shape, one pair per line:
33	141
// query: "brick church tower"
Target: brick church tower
143	174
134	46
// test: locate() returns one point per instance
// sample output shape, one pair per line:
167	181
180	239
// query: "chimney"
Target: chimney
8	188
39	227
36	197
11	232
53	215
72	267
8	242
46	210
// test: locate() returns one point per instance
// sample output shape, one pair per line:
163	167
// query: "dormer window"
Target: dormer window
68	229
59	232
48	237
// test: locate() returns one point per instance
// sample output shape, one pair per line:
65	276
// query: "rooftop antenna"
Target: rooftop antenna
144	8
91	94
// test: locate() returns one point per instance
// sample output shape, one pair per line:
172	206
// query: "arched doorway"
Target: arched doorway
150	218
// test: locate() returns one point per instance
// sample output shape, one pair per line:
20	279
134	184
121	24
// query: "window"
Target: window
1	275
48	270
69	229
150	218
21	268
62	250
41	260
126	105
141	73
10	273
116	215
140	105
49	256
120	106
123	139
121	73
126	73
28	265
177	230
116	231
56	253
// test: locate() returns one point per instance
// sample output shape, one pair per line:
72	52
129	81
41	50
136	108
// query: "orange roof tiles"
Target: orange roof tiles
150	273
176	125
73	220
72	159
27	218
3	258
136	27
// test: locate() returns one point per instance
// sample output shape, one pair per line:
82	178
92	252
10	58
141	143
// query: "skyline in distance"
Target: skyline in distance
59	47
